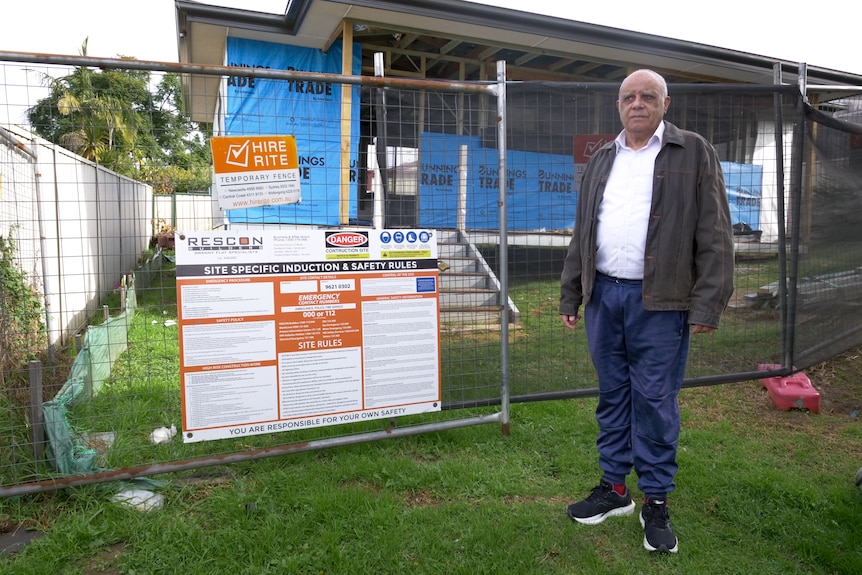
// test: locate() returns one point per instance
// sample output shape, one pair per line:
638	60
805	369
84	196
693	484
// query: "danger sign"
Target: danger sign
253	171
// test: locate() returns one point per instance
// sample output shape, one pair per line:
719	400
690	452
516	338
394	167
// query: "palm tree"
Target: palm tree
113	118
95	120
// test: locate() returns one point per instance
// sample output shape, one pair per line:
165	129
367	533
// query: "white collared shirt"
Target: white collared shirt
624	212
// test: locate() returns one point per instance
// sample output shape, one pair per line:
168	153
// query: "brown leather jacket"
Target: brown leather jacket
688	261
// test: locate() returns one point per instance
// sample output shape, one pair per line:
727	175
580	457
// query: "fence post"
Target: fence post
37	419
463	172
797	160
88	375
786	353
504	246
380	144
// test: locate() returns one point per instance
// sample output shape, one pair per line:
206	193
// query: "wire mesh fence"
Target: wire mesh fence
91	210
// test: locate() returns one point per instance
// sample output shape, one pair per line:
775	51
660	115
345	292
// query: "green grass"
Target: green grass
759	490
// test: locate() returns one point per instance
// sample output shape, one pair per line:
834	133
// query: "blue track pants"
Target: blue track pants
640	358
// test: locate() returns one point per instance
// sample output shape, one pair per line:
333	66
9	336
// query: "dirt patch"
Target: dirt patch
420	499
105	562
839	382
13	537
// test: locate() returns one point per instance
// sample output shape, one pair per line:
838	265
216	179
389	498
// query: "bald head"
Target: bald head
646	73
642	104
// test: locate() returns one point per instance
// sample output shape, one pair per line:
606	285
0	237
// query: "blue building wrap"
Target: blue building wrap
308	110
744	184
542	189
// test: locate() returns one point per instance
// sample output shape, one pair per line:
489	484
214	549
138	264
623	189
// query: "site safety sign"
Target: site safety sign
291	329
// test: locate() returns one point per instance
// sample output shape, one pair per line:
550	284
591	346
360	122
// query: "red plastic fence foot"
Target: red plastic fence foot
790	392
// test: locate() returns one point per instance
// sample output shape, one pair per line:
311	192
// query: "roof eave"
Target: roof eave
527	22
288	23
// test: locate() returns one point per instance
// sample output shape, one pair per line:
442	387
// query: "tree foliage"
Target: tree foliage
124	121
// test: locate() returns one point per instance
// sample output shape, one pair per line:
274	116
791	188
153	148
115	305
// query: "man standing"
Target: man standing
651	255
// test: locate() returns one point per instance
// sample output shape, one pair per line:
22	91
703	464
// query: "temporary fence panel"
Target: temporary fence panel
111	426
826	310
554	129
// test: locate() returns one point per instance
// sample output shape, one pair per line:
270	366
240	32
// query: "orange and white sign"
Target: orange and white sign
254	171
292	329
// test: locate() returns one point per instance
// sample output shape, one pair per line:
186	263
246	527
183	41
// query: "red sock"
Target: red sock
620	488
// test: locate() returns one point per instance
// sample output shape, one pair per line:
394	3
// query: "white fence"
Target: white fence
188	211
78	227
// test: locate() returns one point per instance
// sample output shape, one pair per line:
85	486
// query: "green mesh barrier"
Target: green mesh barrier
102	345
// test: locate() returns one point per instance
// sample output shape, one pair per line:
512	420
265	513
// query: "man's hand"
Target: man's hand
570	321
696	328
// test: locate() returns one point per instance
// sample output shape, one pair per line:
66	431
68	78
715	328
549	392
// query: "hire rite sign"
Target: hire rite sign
254	171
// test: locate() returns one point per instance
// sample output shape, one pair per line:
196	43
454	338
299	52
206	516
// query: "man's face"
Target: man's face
641	104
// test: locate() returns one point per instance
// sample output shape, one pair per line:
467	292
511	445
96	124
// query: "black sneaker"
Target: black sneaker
602	503
658	534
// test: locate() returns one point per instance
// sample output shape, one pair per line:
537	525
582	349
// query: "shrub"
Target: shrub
21	327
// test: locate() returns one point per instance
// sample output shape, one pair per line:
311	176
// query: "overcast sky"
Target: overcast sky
147	29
